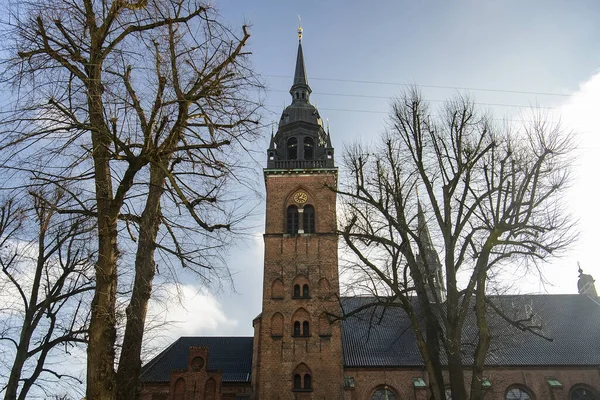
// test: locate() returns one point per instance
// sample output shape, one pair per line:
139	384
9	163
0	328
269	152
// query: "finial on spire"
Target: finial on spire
299	29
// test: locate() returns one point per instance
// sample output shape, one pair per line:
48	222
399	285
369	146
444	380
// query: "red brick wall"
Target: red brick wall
310	258
400	381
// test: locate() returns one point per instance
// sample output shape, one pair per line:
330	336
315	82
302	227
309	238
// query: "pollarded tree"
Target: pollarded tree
146	108
441	204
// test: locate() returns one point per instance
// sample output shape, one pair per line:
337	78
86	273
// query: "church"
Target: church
297	352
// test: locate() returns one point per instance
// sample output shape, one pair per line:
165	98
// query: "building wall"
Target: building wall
400	381
304	259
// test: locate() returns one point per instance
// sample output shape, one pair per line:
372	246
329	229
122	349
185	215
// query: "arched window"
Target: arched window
518	393
383	394
302	378
277	325
179	389
305	293
296	290
277	289
307	381
297	328
308	219
210	389
324	325
292	148
297	381
309	148
305	329
582	392
292	220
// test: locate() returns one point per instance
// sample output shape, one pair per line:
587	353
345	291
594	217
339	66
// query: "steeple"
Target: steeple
301	141
429	260
300	90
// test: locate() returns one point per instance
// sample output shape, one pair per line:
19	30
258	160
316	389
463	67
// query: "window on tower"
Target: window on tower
305	293
297	328
297	381
309	148
308	219
302	379
305	329
292	220
292	148
296	290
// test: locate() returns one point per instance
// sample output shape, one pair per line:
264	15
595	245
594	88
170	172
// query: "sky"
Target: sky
508	55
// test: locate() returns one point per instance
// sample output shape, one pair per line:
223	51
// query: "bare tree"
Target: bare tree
441	204
47	265
147	106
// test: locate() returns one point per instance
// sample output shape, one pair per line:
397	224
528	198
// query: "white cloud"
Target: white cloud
184	310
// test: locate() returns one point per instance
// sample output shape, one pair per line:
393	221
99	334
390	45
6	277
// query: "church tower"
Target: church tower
297	349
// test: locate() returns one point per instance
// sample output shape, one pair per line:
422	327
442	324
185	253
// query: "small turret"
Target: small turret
585	285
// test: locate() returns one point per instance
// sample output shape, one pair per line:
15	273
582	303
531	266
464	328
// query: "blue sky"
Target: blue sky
358	56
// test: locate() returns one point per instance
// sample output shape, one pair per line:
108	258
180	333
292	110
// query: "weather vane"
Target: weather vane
299	28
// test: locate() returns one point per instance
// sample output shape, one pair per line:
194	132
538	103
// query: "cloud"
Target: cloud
184	310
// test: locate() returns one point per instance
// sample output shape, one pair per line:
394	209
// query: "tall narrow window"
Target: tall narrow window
307	381
292	148
296	290
292	220
305	329
297	381
309	148
297	328
308	219
305	291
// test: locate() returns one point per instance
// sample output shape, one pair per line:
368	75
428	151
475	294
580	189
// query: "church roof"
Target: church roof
230	355
572	322
384	338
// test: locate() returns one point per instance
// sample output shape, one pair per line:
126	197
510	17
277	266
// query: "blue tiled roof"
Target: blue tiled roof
385	338
231	355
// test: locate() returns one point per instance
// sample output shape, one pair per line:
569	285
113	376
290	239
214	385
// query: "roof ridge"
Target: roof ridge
160	355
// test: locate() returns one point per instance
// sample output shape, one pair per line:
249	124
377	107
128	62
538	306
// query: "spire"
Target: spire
300	89
429	259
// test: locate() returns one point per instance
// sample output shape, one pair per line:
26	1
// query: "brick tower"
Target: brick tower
297	350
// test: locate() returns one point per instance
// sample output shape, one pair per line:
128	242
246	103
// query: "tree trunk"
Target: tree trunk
130	360
102	330
483	342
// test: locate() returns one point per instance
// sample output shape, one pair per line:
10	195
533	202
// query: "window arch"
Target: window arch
292	220
582	392
277	325
292	147
297	381
179	392
308	219
305	328
210	389
309	148
301	287
384	393
324	325
277	289
324	287
301	323
307	381
302	378
518	393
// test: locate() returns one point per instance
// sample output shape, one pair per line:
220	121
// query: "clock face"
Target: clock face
300	197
